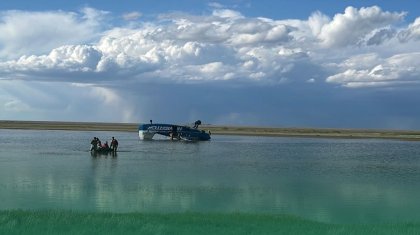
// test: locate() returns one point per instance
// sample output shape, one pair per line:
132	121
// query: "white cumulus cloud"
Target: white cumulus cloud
26	33
222	46
352	26
395	70
412	32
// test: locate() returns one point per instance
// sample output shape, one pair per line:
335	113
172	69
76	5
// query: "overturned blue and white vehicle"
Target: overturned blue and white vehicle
148	131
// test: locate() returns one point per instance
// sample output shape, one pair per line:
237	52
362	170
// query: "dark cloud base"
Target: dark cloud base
279	106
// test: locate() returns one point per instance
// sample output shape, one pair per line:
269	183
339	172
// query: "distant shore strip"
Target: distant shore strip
222	130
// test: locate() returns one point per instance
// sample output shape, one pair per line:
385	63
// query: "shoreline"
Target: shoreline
223	130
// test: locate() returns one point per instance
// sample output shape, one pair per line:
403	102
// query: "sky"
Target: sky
302	63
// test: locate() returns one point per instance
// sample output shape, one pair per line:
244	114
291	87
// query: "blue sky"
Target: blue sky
348	64
299	9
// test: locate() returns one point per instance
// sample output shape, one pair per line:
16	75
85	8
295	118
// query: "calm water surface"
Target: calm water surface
328	180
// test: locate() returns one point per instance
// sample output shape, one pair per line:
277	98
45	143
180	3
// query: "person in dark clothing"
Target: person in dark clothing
151	122
174	133
93	144
114	144
196	124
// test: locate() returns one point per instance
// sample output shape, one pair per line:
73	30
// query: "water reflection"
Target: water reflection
339	181
104	155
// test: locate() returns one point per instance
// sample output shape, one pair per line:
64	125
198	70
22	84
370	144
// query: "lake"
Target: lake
325	180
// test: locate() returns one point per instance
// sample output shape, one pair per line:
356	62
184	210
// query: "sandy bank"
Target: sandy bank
220	130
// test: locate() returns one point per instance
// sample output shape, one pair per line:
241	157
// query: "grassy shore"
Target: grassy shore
68	222
221	130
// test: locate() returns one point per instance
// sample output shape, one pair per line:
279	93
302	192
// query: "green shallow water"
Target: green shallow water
70	222
320	180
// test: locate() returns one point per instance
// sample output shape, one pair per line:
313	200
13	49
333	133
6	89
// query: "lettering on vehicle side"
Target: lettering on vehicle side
162	128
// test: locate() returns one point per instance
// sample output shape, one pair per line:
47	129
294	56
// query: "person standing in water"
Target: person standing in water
114	144
93	144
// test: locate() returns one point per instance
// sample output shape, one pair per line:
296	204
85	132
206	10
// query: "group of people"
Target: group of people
96	145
